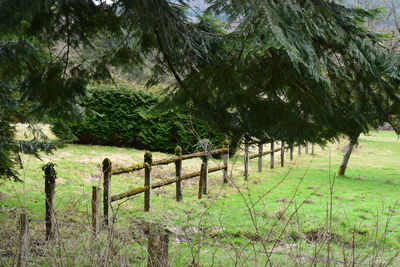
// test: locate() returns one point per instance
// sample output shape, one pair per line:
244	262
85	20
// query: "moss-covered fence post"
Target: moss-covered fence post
246	161
272	160
50	176
226	161
178	173
201	180
107	167
95	209
205	175
260	158
148	161
282	154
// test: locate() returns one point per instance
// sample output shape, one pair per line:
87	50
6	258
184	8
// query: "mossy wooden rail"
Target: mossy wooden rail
142	189
137	167
148	164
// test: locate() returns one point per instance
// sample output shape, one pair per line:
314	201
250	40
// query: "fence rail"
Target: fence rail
142	189
265	153
137	167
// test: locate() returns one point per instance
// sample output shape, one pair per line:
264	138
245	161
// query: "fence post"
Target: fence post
291	152
23	250
306	148
246	161
205	176
299	151
49	188
226	161
148	161
272	161
107	166
282	154
157	248
95	209
178	174
260	152
312	149
201	180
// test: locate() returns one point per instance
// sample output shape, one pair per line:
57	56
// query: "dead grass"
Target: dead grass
27	132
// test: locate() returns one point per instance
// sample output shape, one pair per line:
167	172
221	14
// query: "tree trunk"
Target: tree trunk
346	156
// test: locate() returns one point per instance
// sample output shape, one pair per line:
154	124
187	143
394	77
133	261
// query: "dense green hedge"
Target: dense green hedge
124	117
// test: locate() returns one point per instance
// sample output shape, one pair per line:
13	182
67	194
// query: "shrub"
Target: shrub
125	117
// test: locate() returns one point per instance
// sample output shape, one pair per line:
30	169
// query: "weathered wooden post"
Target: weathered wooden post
291	151
201	180
178	174
299	152
23	250
226	161
312	149
260	158
246	161
107	167
272	161
282	154
95	209
49	188
306	148
157	247
205	176
148	161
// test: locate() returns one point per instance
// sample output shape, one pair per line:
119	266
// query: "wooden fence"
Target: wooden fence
148	186
149	163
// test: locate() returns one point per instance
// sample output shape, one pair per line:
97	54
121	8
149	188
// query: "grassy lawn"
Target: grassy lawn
302	212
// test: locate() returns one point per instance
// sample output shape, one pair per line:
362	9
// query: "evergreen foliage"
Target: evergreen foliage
296	71
122	117
50	50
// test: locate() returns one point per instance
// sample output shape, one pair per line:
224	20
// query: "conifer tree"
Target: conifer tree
296	71
51	49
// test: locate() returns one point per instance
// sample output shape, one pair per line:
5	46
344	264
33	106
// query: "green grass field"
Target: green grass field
302	212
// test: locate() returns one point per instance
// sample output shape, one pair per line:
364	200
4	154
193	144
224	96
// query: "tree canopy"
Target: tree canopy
293	70
50	50
296	71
